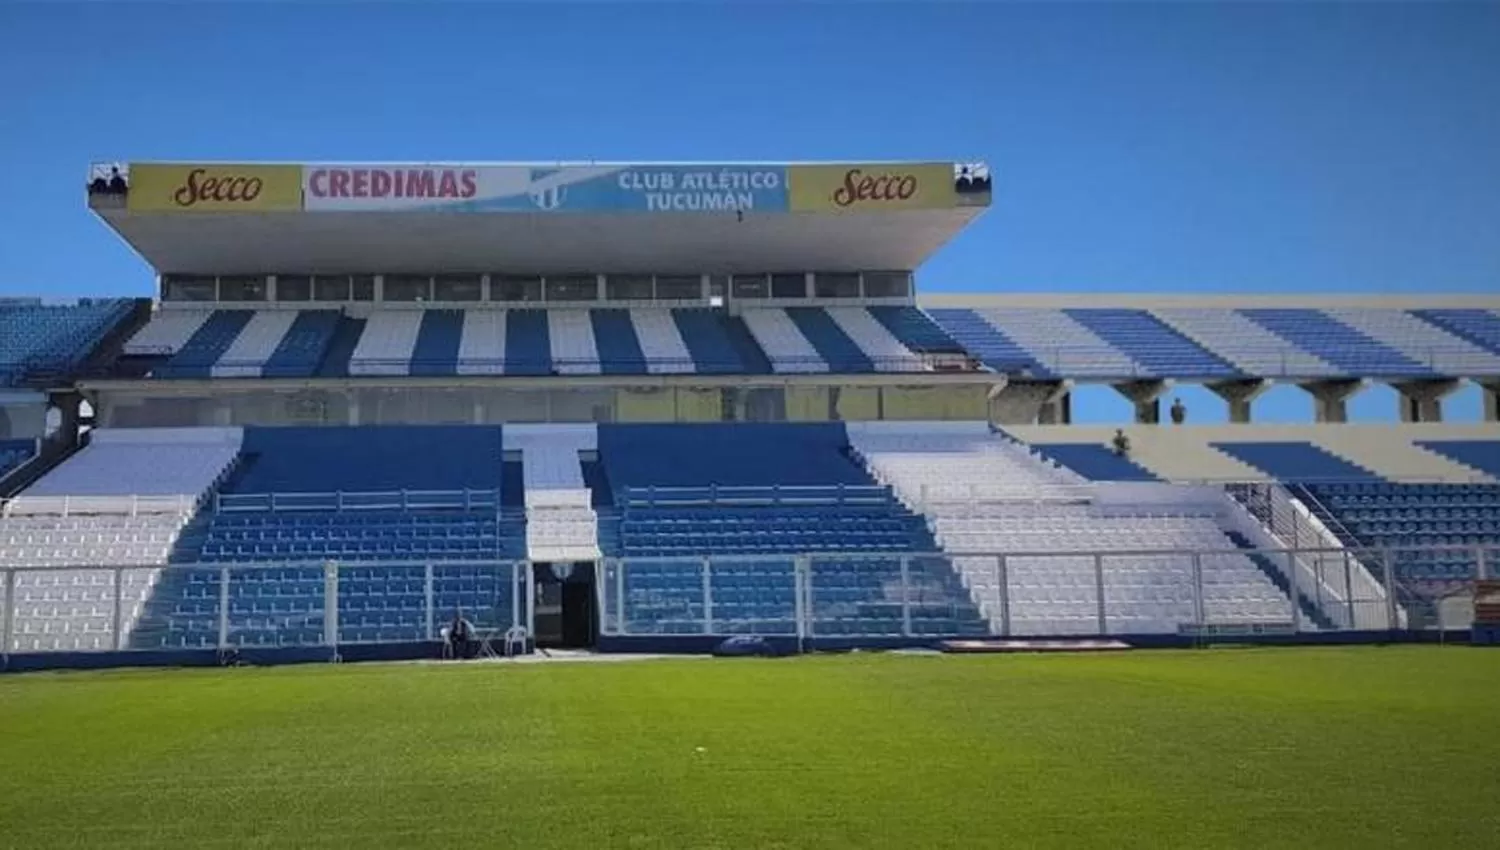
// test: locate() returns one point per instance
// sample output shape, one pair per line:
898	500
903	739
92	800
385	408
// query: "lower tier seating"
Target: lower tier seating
849	596
384	535
1379	516
285	606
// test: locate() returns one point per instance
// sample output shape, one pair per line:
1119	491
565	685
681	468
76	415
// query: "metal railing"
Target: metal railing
853	595
916	362
338	500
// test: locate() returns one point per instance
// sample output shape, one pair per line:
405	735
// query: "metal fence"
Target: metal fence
851	595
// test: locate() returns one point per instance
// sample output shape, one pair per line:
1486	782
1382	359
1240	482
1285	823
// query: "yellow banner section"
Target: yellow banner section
871	187
174	187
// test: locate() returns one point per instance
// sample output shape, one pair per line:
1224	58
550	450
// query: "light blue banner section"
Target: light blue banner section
636	188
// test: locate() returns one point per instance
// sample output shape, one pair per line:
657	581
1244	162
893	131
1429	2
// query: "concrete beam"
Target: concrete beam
1031	402
1146	396
1422	401
1238	395
1330	397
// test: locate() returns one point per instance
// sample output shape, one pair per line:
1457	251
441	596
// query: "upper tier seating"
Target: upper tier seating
988	344
986	494
436	342
1427	343
764	491
1161	349
1480	328
1062	344
168	331
13	453
1249	346
784	344
1337	343
42	338
916	330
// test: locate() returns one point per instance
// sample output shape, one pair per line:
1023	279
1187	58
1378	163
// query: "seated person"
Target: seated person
460	635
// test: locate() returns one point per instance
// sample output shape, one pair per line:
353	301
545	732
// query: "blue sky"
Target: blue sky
1260	147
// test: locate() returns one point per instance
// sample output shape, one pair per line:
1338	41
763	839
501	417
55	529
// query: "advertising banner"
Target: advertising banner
184	187
526	188
871	187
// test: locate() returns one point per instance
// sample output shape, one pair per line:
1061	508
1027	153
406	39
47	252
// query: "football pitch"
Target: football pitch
1353	747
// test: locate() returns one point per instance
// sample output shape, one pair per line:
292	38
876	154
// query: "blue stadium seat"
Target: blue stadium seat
204	348
46	338
1296	462
304	346
1480	327
706	333
986	343
1483	455
13	453
1337	343
768	491
528	343
837	348
438	339
1150	342
1096	462
916	330
618	343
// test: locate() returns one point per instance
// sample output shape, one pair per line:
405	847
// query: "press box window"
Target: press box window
242	288
515	288
459	287
750	286
403	287
679	288
293	287
364	287
628	287
788	286
184	287
331	287
887	284
836	285
573	288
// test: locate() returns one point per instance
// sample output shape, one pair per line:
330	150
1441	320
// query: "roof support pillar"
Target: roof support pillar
1331	397
1028	402
1146	396
1422	401
1238	395
1491	389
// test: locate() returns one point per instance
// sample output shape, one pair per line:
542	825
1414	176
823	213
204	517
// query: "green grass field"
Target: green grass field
1360	747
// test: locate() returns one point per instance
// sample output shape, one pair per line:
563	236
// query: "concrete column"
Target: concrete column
1422	401
70	414
1030	402
1057	410
1331	397
1239	395
1146	396
1491	389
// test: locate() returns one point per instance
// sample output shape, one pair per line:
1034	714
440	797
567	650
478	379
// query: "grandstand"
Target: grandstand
602	416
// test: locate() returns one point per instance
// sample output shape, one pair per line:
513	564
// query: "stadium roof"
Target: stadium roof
540	218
